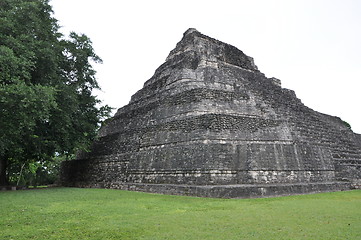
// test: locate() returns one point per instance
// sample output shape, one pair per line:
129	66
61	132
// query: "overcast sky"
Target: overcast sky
312	46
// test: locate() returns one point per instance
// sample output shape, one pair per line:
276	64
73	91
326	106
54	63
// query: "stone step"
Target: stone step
237	190
353	162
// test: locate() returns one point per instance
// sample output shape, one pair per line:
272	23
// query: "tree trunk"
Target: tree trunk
3	166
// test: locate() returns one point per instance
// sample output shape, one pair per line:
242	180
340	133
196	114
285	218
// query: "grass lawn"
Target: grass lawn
72	213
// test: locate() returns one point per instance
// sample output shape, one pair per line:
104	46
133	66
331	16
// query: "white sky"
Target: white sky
312	46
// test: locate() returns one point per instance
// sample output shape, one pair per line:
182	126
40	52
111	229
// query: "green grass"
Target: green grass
71	213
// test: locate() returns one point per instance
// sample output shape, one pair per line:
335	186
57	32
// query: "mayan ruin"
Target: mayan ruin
208	123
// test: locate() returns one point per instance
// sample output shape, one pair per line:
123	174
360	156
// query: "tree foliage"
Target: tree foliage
46	84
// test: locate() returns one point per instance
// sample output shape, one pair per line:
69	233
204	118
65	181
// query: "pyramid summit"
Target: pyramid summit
208	123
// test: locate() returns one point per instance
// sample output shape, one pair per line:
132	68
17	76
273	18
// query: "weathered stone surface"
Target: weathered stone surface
209	123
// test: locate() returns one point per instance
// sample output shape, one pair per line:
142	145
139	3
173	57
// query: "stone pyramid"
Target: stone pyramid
209	123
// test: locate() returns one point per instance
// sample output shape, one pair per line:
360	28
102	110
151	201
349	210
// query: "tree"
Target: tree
46	84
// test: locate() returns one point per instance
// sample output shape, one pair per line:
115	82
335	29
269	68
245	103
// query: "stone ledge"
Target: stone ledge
235	191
